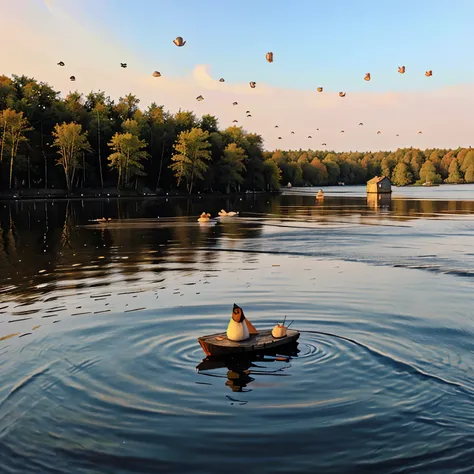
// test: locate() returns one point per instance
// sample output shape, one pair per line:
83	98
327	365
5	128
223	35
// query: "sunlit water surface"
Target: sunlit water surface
98	328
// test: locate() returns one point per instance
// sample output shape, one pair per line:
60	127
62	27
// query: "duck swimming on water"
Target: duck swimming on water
204	217
223	213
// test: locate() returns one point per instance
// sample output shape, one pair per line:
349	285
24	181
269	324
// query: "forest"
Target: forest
92	141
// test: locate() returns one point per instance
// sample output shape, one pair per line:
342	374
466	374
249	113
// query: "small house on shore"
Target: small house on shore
379	185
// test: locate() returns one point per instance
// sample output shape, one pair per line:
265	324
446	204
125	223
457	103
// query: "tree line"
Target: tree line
91	141
404	166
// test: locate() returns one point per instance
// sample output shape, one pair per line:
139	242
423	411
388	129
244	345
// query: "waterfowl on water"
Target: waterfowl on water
420	132
401	69
157	74
342	131
269	57
235	103
72	78
320	89
367	76
221	79
123	65
429	73
179	41
361	123
342	94
237	329
247	111
323	144
199	98
397	135
276	126
235	121
248	115
292	133
60	63
309	136
205	217
279	138
223	213
379	132
252	84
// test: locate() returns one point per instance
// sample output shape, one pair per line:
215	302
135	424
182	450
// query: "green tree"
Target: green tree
127	106
192	156
127	157
209	124
271	175
71	142
232	166
333	170
13	126
454	173
428	173
401	175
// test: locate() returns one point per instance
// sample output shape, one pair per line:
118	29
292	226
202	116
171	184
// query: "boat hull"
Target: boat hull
217	345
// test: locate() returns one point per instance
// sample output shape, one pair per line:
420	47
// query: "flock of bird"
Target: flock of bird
180	42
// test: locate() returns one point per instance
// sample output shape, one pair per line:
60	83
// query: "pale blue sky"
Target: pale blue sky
314	42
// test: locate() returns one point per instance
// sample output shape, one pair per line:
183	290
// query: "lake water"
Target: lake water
98	328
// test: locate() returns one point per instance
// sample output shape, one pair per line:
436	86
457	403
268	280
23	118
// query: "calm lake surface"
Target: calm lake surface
99	372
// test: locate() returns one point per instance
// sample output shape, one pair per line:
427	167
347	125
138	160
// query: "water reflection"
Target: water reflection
242	371
99	327
46	244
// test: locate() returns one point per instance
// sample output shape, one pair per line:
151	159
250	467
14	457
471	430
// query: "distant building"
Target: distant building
379	185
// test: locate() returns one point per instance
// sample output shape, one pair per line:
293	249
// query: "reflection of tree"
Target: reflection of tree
68	226
40	235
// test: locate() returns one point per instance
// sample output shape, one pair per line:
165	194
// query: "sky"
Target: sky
327	43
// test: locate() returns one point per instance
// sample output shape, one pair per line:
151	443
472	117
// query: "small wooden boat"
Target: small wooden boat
218	345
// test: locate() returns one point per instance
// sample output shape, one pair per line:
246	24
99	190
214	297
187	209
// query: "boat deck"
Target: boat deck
218	344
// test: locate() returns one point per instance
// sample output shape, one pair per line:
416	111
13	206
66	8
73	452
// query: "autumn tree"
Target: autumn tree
469	175
467	160
13	126
454	173
127	156
191	157
71	142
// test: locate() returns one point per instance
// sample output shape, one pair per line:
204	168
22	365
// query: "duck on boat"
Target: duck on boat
242	338
223	213
320	194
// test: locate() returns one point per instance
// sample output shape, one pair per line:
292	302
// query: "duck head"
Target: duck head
238	314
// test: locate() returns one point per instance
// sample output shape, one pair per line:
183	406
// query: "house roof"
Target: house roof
376	180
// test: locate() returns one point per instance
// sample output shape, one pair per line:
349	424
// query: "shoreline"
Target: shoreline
91	194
